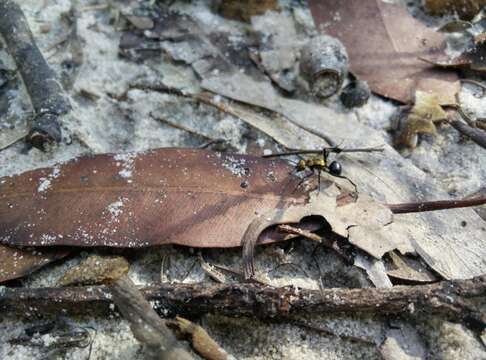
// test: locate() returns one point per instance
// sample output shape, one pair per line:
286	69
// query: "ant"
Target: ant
320	162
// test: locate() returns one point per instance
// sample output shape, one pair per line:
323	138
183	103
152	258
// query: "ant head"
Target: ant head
335	168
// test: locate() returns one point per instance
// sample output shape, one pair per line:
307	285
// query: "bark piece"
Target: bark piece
95	269
384	43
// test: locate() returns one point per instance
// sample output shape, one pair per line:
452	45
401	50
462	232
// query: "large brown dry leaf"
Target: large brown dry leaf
384	44
178	196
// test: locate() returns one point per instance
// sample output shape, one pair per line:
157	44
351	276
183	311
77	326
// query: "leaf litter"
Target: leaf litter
385	43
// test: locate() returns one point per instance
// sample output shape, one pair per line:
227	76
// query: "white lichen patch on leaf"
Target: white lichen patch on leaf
45	182
126	162
116	208
236	166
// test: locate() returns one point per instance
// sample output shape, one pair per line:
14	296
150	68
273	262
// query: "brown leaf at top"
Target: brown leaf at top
384	44
179	196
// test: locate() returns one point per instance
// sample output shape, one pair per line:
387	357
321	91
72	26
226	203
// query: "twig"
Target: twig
449	298
475	134
477	83
146	325
331	244
182	127
13	142
44	90
423	206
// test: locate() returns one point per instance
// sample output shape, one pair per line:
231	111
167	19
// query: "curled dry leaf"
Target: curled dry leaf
384	44
365	223
420	120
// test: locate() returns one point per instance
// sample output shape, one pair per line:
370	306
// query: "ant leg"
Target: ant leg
348	179
319	181
303	179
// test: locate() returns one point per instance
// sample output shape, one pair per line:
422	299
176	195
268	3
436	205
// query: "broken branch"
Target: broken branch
44	90
475	134
449	298
146	325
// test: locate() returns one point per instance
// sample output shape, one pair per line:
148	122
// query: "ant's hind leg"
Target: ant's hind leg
350	181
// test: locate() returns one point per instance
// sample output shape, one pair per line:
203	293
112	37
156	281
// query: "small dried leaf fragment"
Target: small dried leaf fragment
384	43
466	9
96	269
244	10
420	119
410	270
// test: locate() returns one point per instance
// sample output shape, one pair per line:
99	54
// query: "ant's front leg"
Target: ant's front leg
303	179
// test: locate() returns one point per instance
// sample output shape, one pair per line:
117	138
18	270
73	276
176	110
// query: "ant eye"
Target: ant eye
335	168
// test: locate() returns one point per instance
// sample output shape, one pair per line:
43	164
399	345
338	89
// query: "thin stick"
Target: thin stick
314	237
320	151
448	298
423	206
182	127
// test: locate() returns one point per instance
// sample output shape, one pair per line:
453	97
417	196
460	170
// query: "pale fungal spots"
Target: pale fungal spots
116	208
236	166
45	182
126	162
46	239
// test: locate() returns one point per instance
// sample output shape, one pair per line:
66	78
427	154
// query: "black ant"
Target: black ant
320	163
